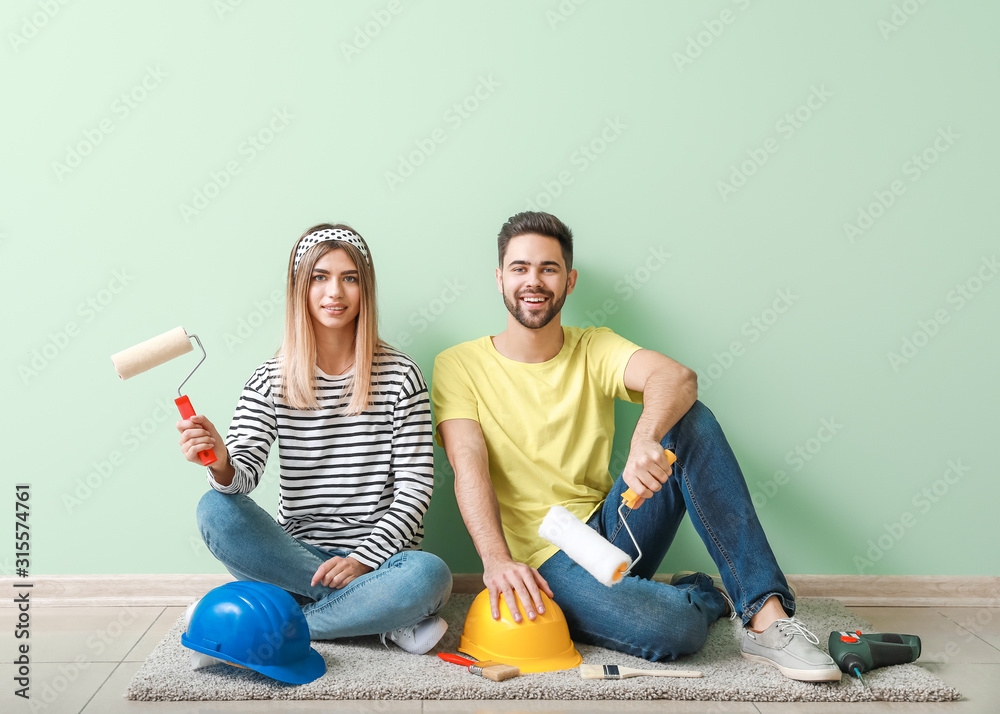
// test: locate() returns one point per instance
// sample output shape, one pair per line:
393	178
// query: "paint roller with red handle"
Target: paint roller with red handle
153	353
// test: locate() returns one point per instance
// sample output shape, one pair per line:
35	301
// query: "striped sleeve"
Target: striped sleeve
412	470
251	434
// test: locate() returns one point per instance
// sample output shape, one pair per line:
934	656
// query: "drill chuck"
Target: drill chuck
852	663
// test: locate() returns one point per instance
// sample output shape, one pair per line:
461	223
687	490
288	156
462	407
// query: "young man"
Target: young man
527	421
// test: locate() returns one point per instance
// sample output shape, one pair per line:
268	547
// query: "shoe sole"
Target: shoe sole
801	675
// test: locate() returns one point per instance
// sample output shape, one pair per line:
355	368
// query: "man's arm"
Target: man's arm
466	449
668	389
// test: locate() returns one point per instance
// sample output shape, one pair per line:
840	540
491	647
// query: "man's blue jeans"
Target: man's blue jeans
405	589
654	620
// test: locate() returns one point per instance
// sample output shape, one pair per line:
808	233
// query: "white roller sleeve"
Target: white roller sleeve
151	353
584	545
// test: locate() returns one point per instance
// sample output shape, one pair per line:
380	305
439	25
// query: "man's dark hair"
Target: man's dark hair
543	224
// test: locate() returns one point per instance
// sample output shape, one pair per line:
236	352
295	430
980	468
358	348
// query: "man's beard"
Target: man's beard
535	320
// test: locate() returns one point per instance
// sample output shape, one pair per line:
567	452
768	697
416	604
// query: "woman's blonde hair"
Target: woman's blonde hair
299	345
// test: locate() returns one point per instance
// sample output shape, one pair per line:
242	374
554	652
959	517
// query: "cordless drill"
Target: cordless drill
856	654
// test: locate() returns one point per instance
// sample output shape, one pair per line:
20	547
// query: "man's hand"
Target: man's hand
338	572
466	449
510	577
669	390
647	469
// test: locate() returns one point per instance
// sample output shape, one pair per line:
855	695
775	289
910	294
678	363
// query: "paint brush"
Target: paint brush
613	671
495	671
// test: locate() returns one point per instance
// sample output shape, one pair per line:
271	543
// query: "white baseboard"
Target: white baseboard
163	590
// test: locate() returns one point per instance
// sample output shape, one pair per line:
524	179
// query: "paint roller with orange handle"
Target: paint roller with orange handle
153	353
607	563
630	497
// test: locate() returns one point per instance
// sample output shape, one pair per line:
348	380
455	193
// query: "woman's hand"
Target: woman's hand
199	434
338	572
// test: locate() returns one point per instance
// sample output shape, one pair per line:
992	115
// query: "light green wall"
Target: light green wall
101	254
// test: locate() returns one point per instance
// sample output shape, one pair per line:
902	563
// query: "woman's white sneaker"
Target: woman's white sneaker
419	638
199	660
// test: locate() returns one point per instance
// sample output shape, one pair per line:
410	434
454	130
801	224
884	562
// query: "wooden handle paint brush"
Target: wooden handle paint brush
613	671
495	671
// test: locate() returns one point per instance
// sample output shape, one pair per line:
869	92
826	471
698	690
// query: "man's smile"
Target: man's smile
534	300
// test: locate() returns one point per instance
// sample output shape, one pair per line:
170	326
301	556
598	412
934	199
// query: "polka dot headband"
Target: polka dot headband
326	234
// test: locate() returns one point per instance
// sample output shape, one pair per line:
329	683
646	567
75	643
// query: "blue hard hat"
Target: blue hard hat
258	626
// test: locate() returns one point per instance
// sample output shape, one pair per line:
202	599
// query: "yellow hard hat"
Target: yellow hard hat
539	645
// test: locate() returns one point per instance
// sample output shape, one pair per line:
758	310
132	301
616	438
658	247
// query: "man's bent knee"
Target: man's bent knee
700	413
699	422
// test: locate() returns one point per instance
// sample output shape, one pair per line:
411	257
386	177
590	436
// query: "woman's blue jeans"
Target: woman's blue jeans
654	620
405	589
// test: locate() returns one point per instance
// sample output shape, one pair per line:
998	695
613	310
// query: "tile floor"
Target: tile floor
84	657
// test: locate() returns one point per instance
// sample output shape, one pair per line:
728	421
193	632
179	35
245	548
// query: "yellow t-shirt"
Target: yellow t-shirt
548	426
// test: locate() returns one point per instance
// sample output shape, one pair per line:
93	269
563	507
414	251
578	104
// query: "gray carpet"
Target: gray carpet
362	668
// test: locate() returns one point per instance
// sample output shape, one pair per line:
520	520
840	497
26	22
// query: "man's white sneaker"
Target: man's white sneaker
419	638
789	646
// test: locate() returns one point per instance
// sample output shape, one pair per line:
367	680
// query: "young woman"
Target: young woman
353	422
